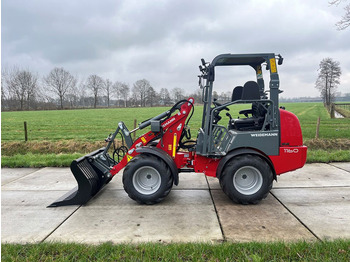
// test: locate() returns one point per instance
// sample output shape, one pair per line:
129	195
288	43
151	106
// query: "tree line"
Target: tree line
22	89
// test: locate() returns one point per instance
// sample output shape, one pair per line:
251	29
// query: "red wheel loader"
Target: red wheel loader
246	153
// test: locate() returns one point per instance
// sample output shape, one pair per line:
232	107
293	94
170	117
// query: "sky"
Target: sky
163	40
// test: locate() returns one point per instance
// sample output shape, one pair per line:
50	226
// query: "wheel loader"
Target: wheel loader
245	153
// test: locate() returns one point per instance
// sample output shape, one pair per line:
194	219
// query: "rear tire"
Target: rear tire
246	179
147	179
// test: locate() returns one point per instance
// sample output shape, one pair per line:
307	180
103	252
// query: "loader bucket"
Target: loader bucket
91	177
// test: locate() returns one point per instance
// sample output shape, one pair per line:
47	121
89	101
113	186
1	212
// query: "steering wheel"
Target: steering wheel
217	117
217	104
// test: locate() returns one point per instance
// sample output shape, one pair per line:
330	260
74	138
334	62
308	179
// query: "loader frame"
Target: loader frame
274	141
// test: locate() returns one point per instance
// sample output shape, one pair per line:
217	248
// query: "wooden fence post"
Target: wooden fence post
25	131
318	127
135	124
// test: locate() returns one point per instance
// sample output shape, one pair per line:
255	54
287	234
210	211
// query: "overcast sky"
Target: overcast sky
163	40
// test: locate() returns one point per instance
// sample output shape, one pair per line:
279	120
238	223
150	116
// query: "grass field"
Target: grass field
91	125
301	251
96	124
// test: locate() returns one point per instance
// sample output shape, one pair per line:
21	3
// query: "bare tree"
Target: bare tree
164	96
108	88
117	87
177	94
95	84
124	92
345	20
60	81
328	79
151	96
4	89
22	86
141	90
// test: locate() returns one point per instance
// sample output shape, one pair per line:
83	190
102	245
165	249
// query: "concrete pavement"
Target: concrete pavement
308	204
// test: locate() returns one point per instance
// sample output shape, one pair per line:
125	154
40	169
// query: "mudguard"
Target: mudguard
243	151
164	156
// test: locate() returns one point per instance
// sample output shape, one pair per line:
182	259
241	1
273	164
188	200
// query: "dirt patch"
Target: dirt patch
328	144
84	147
49	147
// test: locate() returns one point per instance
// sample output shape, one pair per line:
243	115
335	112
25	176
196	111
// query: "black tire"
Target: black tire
147	179
246	179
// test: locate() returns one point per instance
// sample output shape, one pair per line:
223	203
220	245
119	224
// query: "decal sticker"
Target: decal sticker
128	157
143	140
263	134
291	151
174	144
169	122
273	67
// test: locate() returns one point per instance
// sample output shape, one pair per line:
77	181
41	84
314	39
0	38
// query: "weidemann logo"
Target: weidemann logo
264	134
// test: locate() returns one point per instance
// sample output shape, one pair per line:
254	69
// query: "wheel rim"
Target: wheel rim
247	180
146	180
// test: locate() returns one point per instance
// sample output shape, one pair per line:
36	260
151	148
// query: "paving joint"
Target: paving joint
216	212
296	217
311	187
331	164
48	235
20	177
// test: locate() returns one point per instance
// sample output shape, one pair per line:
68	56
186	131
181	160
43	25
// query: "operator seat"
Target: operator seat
258	111
237	93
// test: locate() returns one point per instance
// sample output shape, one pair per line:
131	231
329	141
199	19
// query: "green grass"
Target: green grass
323	156
91	125
308	114
88	124
39	160
338	250
343	111
96	124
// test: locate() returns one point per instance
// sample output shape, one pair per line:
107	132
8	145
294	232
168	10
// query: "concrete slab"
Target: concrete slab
342	165
314	175
267	221
11	174
184	216
25	218
325	211
48	178
213	183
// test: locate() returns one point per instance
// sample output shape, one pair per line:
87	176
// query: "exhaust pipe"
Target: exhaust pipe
92	174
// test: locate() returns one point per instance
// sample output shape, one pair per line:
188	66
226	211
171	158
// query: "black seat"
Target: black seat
237	93
250	91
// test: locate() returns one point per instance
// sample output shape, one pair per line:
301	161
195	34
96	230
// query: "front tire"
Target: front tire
147	179
246	179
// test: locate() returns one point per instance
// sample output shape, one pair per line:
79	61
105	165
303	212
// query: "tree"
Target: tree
345	20
124	92
152	96
22	86
108	89
164	97
328	79
141	90
95	84
177	94
60	81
